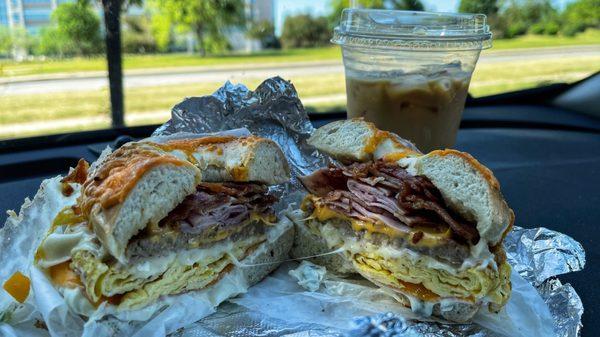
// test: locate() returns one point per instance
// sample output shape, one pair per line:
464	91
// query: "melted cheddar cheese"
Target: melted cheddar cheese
374	141
239	173
191	145
63	276
395	156
17	286
380	136
210	144
419	291
119	174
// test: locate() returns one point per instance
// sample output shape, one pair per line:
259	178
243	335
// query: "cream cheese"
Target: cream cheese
409	164
179	154
480	257
150	267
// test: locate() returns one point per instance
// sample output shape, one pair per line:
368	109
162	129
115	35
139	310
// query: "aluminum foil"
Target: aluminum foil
538	254
274	111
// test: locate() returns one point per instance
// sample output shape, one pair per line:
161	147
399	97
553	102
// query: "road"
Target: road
239	74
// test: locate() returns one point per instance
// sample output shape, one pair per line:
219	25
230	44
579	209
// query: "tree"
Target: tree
137	35
207	19
580	15
340	5
74	30
5	41
519	16
530	11
53	43
78	24
407	5
487	7
162	31
304	31
264	31
21	42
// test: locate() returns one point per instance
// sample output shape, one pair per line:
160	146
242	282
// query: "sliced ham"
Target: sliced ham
223	205
381	217
387	193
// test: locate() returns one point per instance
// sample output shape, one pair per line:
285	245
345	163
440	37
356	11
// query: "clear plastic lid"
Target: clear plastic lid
393	29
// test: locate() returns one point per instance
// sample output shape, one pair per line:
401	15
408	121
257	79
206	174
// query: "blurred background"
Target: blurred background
53	64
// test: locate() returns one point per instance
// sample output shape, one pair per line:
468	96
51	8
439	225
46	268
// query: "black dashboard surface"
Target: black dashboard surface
547	162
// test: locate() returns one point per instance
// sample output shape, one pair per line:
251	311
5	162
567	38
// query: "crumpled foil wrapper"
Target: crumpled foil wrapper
274	111
538	254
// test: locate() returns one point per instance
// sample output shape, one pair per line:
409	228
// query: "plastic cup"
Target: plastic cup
409	72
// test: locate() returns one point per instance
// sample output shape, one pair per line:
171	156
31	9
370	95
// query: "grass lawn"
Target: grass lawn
12	69
131	61
590	36
53	106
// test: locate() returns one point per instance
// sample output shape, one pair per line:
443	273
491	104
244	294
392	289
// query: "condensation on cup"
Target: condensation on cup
409	72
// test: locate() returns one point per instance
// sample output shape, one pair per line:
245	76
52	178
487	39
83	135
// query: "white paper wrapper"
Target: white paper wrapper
279	306
338	302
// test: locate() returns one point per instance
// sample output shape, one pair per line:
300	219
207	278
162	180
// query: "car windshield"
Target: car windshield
53	53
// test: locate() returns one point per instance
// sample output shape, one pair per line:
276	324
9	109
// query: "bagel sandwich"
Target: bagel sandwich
427	228
159	219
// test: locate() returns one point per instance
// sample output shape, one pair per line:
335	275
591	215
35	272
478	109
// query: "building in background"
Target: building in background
261	10
31	15
3	14
256	11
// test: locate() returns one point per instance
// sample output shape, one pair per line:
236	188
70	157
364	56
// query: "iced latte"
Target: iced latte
409	72
423	107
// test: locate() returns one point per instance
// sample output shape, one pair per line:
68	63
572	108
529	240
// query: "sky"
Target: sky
285	8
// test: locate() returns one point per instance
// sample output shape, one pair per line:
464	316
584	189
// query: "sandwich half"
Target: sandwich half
426	228
156	219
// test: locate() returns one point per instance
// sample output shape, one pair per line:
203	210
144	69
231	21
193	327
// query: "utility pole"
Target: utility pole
112	21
